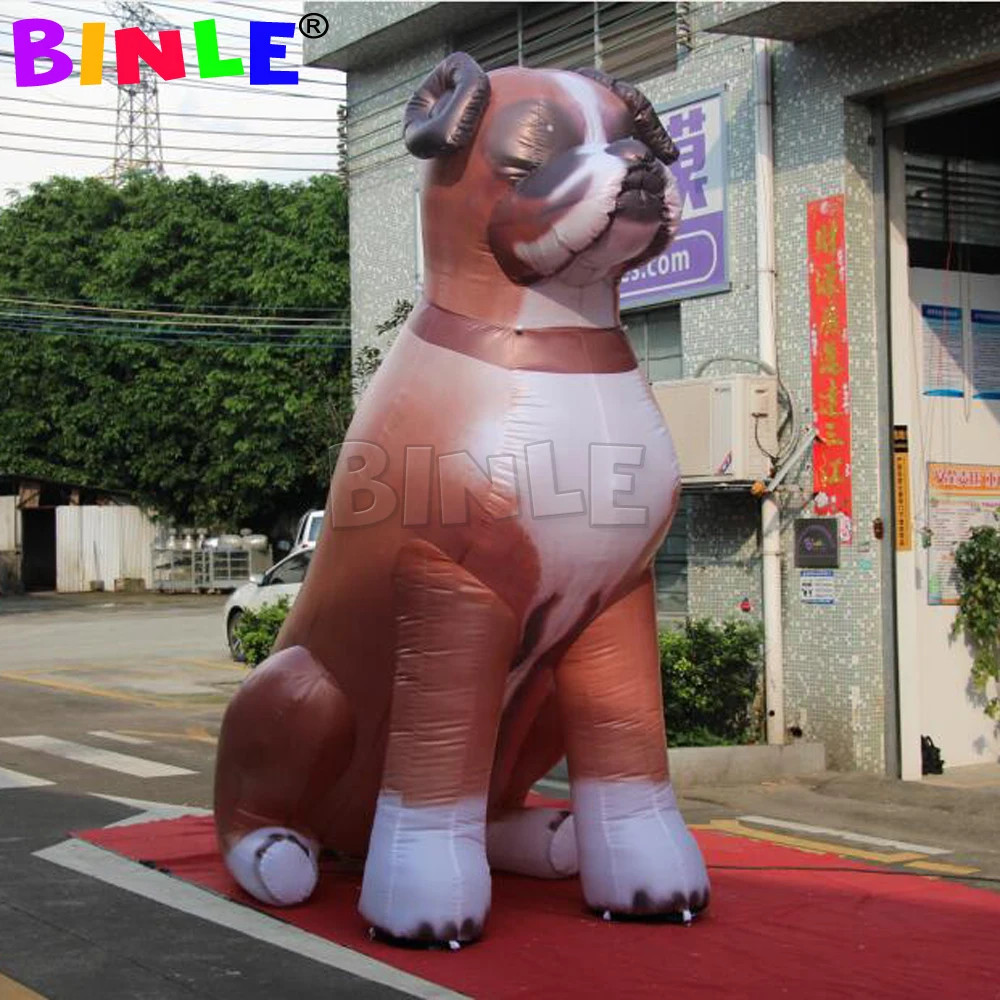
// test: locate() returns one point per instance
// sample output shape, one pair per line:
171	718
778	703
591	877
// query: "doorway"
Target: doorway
38	560
943	186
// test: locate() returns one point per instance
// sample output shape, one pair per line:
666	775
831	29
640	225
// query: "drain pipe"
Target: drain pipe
774	679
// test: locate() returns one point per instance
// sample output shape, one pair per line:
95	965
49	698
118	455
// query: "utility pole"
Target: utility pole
137	133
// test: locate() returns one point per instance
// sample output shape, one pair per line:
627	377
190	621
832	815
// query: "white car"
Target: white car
307	533
283	579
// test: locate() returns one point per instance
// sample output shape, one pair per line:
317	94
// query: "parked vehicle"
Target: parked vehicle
283	579
307	533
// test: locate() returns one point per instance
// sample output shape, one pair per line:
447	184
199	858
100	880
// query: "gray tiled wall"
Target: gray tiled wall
824	145
833	655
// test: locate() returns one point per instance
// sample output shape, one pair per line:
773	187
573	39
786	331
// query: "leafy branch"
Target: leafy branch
977	562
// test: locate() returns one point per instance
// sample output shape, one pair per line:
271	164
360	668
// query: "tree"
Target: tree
216	408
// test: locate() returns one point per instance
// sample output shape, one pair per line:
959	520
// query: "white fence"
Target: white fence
101	545
9	541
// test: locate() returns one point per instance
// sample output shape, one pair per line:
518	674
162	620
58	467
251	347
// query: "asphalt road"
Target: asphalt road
121	697
139	683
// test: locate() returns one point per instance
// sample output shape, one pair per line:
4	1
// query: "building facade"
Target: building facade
886	162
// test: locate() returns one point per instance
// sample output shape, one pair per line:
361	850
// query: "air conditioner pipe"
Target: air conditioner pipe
770	517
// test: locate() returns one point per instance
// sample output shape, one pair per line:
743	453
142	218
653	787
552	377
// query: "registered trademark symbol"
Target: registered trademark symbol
314	25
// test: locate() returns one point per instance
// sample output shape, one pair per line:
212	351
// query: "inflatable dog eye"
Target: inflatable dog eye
481	601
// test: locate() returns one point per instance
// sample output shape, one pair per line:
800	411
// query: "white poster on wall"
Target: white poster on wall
943	347
986	353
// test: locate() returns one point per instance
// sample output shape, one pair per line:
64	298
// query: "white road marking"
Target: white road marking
858	838
118	737
87	859
109	759
14	779
151	810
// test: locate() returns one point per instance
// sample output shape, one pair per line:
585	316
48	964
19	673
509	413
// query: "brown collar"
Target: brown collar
568	349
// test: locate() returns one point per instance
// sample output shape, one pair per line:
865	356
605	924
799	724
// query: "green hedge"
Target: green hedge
711	676
258	630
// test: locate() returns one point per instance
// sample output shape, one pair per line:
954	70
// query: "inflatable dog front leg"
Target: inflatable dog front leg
636	854
426	875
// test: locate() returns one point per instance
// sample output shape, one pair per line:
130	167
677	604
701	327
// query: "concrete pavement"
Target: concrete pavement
122	696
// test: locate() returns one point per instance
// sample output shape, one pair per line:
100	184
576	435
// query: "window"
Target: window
292	570
670	566
656	339
655	336
633	41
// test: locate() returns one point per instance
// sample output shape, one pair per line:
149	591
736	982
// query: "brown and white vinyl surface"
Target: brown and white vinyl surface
481	602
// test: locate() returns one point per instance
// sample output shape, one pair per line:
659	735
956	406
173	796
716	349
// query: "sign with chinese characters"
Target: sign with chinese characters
959	498
695	263
901	487
816	586
828	346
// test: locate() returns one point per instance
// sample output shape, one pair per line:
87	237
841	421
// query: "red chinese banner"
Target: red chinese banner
830	361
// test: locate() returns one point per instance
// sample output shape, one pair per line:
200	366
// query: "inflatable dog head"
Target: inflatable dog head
537	174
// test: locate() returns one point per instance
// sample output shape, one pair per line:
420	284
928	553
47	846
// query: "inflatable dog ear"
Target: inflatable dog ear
648	126
445	112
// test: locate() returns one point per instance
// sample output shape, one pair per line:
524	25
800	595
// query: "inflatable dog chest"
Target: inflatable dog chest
481	602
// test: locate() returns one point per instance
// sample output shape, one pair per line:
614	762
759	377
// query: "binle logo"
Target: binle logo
38	39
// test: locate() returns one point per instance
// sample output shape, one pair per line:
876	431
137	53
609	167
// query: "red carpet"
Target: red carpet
802	934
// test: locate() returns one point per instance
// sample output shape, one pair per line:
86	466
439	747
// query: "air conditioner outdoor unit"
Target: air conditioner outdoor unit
723	428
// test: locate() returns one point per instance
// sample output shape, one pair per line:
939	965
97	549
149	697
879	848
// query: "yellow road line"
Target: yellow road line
196	734
10	989
238	668
940	868
736	828
70	687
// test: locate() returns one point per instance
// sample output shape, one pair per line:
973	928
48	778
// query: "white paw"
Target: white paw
537	841
426	876
275	865
637	856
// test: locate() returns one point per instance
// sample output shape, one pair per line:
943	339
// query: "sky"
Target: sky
274	133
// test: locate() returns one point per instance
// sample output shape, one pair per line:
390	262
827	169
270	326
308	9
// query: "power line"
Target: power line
178	325
248	6
167	128
174	163
171	114
64	305
170	337
101	14
198	84
174	341
183	149
158	308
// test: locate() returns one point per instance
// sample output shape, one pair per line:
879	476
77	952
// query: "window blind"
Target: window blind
952	201
633	41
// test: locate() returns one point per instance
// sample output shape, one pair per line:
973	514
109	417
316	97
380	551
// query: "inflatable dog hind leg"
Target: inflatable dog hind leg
286	737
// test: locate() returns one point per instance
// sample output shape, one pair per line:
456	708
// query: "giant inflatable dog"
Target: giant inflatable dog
481	601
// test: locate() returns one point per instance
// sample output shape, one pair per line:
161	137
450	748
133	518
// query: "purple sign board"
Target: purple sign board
696	263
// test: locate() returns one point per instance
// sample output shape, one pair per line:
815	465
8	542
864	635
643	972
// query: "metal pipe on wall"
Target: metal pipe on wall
770	517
